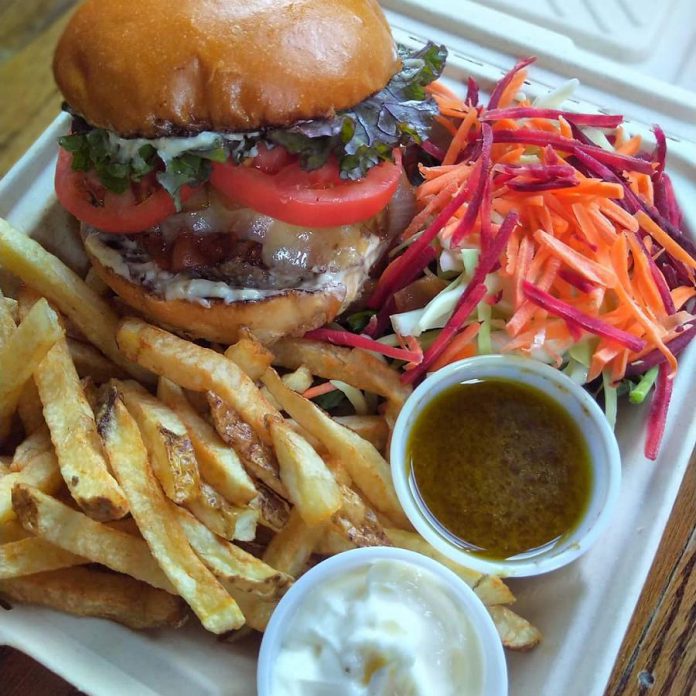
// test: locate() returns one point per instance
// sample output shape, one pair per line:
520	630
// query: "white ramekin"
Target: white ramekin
493	666
603	449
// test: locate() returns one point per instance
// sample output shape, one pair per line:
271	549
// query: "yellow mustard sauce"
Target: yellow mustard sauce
502	468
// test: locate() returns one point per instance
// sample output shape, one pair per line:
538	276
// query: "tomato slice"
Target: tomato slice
318	198
140	207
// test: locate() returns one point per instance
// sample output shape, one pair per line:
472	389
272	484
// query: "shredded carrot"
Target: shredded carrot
320	389
660	236
460	137
438	87
446	124
510	92
460	344
682	294
630	146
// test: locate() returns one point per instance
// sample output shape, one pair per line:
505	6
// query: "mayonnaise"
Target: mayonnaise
384	629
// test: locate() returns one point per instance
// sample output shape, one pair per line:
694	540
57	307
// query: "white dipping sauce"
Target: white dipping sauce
386	628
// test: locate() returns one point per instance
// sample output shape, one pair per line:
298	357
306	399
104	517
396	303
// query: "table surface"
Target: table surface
658	655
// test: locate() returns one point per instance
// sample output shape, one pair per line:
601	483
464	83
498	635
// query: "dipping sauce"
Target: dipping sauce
382	629
502	468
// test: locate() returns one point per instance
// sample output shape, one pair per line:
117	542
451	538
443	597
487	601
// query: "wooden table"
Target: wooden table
658	655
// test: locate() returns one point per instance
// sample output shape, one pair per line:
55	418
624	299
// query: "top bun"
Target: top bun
154	67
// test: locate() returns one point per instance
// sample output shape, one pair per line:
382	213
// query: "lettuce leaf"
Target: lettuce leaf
360	137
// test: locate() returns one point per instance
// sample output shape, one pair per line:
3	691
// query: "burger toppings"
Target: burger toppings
319	164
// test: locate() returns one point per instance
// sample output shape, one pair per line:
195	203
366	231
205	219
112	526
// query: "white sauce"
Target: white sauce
387	629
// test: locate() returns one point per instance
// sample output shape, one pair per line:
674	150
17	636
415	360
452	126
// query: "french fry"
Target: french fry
42	472
233	566
50	277
273	510
351	365
73	531
300	380
158	523
21	355
311	486
357	523
88	592
218	464
35	444
12	531
169	448
515	632
5	465
364	463
34	555
94	282
30	408
257	610
292	546
491	590
193	367
374	429
226	520
332	543
257	455
74	434
250	355
11	308
8	319
89	362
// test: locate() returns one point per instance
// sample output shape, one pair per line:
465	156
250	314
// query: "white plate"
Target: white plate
583	610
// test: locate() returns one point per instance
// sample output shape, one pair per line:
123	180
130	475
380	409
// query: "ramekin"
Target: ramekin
493	665
605	460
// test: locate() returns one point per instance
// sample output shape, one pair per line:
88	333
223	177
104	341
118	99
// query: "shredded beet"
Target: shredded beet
434	150
506	80
576	280
543	138
658	411
572	315
595	120
655	357
660	154
472	92
345	338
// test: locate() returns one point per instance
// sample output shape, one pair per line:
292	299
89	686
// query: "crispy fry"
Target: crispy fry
169	448
74	434
193	367
351	365
300	380
257	610
30	408
374	429
158	523
5	465
292	546
12	531
35	444
515	632
28	260
88	592
250	355
34	555
332	543
219	464
273	510
42	472
95	283
75	532
8	319
89	362
22	354
257	455
364	463
356	522
311	486
223	518
491	590
233	566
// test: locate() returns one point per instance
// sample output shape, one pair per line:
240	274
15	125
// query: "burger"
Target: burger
237	163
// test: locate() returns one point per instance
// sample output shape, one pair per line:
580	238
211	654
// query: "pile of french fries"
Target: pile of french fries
145	477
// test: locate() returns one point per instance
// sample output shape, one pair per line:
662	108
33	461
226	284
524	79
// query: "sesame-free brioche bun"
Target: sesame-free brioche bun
291	313
154	67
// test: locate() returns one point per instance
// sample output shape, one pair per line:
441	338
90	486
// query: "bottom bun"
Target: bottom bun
290	313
